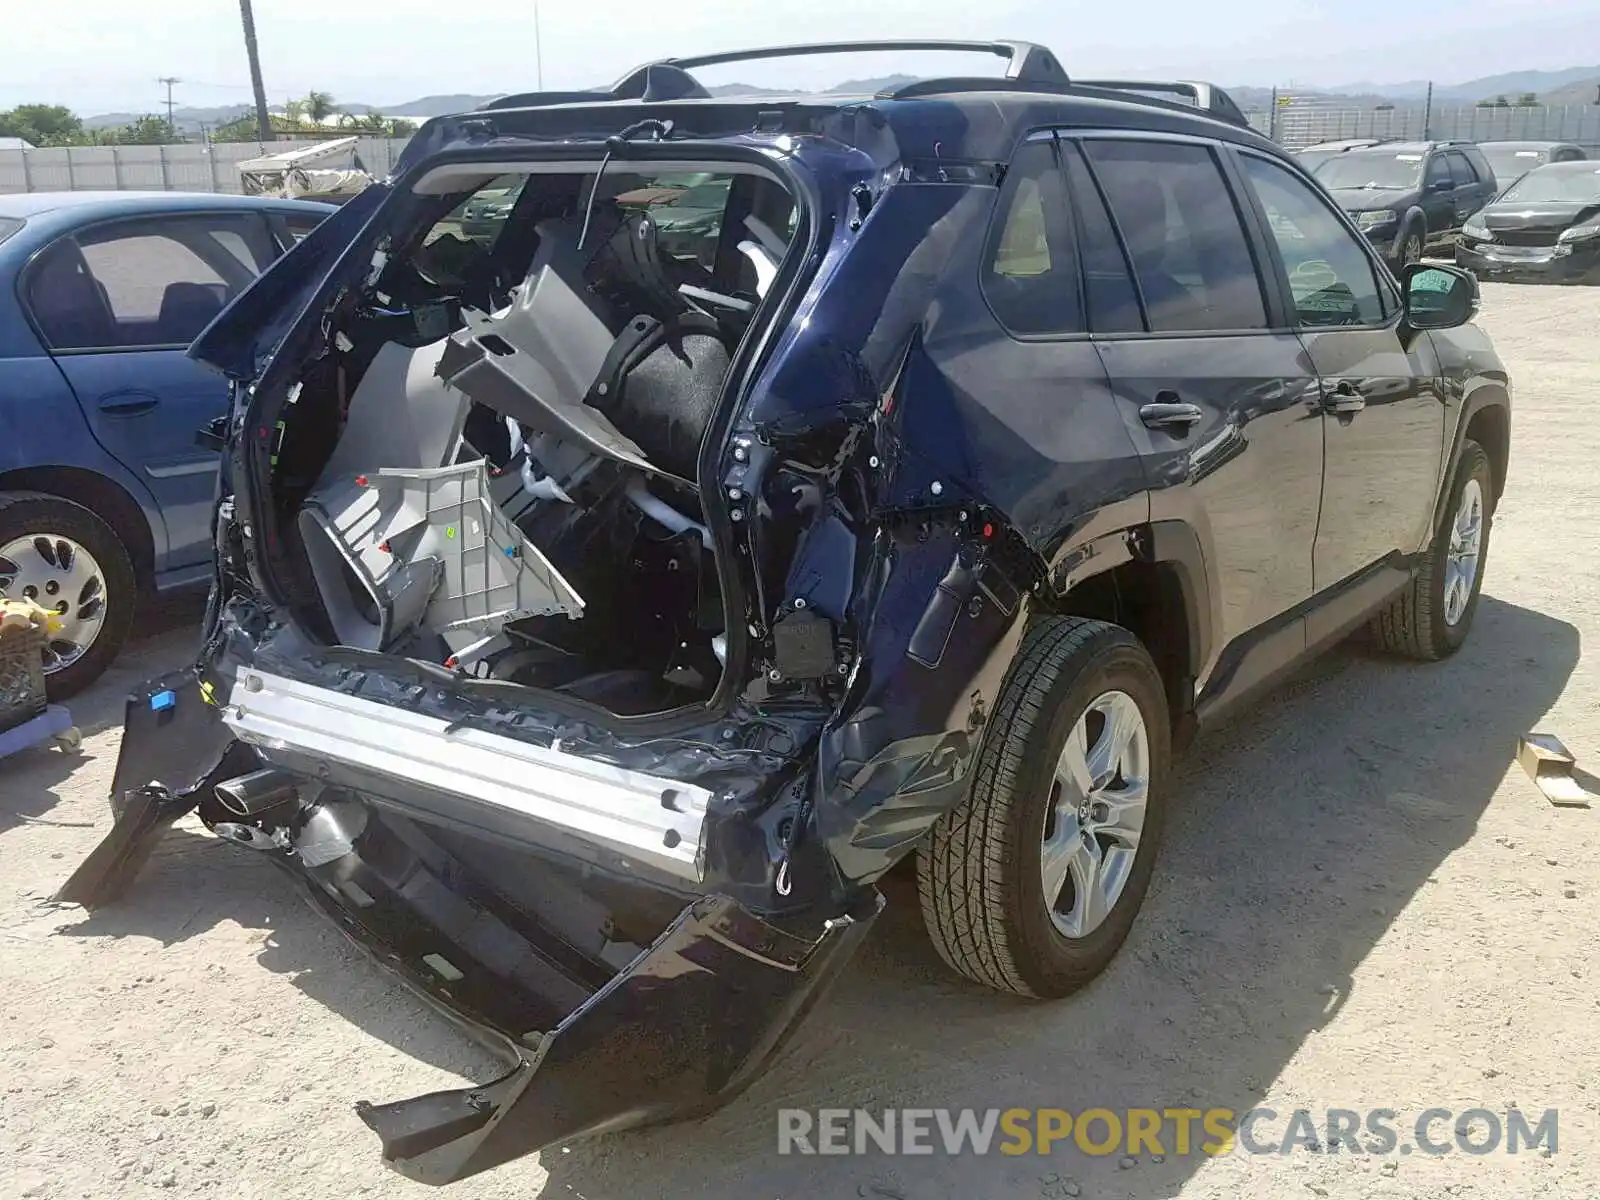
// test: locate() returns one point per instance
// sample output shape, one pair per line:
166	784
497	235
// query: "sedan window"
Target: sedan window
152	282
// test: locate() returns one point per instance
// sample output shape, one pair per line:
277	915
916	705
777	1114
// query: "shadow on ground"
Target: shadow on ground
164	632
1300	832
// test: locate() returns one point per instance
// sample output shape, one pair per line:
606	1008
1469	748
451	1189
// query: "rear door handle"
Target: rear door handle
1342	399
1170	415
128	404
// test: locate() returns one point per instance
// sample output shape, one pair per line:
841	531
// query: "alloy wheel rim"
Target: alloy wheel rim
1413	250
59	575
1098	800
1464	553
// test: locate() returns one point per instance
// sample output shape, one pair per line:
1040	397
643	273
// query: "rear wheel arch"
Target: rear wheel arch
102	496
1161	596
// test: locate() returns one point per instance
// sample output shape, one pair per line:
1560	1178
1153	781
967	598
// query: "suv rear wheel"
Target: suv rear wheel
1431	618
1032	883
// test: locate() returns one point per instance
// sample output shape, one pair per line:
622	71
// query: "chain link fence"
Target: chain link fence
1293	122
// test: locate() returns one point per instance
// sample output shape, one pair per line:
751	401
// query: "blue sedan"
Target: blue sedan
106	484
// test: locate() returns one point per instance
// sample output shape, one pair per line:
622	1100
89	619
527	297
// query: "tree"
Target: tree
400	127
42	124
318	106
148	130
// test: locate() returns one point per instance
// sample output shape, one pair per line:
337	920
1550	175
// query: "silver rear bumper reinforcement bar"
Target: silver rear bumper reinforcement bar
653	820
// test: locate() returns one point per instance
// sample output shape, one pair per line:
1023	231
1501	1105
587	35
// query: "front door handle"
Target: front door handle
1173	416
1342	399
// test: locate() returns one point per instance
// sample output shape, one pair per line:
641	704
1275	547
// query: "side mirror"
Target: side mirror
1439	297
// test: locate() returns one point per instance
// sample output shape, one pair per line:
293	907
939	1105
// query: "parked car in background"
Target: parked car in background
1544	227
105	489
1512	160
1014	431
1312	157
1410	197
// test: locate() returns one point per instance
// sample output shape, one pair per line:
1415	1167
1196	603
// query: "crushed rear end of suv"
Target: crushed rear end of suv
649	518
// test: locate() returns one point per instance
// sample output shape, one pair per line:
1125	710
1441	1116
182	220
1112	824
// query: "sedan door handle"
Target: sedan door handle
1342	399
1171	415
129	404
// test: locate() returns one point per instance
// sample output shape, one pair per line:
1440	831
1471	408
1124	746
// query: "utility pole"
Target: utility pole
263	118
169	80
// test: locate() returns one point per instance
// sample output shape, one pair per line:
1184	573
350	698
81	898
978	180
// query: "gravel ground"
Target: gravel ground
1363	904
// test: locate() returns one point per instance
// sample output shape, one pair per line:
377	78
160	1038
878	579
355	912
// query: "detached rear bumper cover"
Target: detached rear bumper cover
682	1030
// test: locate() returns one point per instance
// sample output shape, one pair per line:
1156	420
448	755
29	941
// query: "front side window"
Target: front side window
1331	278
1183	234
1030	275
141	284
1438	171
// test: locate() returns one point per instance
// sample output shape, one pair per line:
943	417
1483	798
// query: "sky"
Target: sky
105	55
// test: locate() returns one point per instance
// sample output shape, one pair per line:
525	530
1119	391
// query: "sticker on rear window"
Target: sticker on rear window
1527	154
1408	157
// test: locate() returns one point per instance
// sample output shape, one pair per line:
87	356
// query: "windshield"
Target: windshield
1380	169
1312	159
1557	185
1508	164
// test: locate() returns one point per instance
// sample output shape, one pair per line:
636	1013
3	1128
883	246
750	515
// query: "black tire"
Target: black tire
1414	622
1411	247
979	875
23	513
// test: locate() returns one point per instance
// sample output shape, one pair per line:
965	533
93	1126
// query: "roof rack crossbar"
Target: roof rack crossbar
1027	62
1208	98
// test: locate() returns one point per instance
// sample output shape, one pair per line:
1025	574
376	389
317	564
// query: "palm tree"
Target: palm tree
319	106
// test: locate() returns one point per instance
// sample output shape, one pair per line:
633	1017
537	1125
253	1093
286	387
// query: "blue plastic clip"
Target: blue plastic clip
162	701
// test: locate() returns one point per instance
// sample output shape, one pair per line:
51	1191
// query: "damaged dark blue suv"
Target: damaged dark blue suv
600	614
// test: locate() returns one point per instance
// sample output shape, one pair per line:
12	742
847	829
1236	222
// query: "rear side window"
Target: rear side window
1030	274
8	226
1183	234
156	281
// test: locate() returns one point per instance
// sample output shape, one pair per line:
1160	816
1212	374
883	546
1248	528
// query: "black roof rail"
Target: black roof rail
1207	97
1027	62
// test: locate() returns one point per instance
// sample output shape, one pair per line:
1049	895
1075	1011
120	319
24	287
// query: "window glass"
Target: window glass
1113	300
1183	234
1438	169
1373	169
152	282
1031	276
300	224
1330	276
8	226
1461	168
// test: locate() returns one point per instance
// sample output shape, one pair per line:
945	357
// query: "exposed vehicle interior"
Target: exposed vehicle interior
494	467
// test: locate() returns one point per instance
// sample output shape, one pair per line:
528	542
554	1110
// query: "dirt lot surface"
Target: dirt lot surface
1363	904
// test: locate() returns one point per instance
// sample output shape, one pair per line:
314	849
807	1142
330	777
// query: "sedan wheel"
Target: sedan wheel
71	563
57	574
